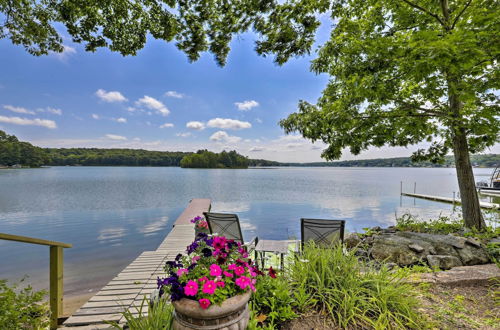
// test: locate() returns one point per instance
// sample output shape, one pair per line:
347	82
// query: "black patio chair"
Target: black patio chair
228	225
324	233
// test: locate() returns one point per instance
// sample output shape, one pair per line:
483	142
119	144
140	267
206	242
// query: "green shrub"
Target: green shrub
352	293
22	308
273	301
159	317
442	225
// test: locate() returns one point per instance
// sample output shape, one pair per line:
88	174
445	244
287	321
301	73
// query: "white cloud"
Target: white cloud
167	125
95	116
29	122
258	120
185	134
153	104
255	149
197	125
18	109
131	109
113	96
228	123
316	147
246	105
136	139
221	136
174	94
67	51
121	120
115	137
53	111
294	145
290	138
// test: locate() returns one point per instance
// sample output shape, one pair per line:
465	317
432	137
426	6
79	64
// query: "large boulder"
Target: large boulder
407	248
443	262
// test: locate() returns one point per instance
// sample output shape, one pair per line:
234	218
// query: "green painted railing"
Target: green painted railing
56	272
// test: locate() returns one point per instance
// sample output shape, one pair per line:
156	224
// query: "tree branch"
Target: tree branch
460	14
425	11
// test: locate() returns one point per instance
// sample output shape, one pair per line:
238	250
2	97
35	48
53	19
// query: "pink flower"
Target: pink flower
232	267
228	274
209	287
243	282
195	258
239	270
242	250
203	279
182	271
215	270
219	242
204	303
191	288
202	224
220	284
252	272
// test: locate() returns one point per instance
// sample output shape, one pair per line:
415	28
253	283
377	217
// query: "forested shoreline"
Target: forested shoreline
14	152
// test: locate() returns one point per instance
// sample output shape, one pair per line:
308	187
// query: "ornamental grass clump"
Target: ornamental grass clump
214	269
354	294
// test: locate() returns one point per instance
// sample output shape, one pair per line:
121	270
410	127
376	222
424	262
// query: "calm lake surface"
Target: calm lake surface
112	214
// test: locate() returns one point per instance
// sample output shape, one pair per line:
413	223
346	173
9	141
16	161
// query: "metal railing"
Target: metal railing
56	272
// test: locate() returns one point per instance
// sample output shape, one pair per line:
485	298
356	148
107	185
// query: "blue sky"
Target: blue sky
157	100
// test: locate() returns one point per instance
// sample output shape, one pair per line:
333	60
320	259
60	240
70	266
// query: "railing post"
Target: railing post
56	285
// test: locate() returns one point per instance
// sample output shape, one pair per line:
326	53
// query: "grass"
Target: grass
158	317
352	293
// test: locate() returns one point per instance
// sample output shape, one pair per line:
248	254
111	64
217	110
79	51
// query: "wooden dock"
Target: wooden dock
138	279
485	205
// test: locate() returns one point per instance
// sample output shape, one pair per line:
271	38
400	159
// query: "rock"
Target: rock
417	248
471	255
473	242
368	240
352	240
443	262
462	276
388	231
391	265
376	228
406	248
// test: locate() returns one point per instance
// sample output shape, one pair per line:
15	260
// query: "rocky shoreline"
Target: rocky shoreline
405	248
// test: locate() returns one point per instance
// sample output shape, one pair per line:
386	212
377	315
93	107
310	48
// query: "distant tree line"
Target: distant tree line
208	159
490	160
112	157
14	152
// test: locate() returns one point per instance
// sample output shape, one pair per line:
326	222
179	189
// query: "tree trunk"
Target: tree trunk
471	209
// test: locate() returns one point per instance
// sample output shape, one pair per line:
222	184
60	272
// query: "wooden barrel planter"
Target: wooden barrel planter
232	314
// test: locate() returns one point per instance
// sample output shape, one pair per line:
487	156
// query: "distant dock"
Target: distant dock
136	282
485	205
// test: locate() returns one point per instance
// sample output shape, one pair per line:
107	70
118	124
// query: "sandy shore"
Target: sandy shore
73	302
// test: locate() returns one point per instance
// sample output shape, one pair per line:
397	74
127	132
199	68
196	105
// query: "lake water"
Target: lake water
112	214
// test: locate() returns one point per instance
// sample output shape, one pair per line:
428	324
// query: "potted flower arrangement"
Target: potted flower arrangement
200	225
211	285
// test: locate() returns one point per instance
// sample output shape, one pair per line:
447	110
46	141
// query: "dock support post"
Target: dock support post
414	187
401	188
56	285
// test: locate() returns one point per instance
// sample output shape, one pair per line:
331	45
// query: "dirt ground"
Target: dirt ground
463	307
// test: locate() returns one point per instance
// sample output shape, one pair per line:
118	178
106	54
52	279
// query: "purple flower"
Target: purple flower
201	236
209	241
192	247
178	257
207	252
192	266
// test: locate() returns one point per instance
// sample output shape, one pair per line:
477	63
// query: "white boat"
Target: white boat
493	187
